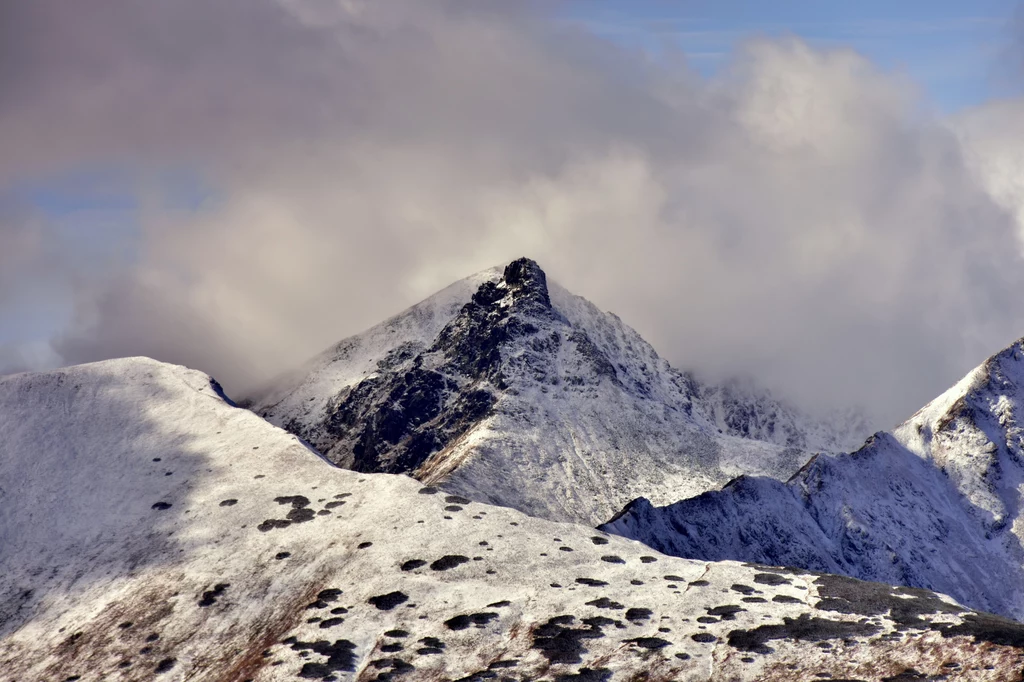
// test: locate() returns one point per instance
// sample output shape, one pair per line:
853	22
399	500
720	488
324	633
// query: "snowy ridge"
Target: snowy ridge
974	433
212	546
935	504
357	357
531	397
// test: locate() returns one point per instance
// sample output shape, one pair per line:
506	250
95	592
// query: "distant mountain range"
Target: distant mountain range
935	504
509	389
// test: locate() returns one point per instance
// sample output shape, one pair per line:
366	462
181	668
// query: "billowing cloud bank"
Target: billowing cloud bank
801	217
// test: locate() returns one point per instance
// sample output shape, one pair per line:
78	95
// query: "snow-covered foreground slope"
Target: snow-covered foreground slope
509	390
935	504
153	532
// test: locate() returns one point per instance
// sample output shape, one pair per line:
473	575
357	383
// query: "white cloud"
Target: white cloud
993	139
798	218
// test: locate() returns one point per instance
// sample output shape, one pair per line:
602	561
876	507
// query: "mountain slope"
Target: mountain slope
935	504
153	532
511	390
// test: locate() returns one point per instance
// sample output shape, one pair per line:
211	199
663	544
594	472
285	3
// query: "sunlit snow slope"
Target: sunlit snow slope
510	390
935	504
151	531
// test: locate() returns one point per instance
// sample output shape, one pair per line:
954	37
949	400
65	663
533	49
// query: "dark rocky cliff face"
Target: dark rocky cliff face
421	401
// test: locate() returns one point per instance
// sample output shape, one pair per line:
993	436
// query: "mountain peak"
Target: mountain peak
525	278
507	380
522	281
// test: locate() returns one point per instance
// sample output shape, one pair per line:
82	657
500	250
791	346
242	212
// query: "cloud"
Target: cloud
799	217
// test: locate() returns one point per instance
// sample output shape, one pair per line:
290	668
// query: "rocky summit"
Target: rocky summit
508	389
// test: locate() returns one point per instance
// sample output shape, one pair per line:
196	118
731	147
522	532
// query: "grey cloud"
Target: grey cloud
797	218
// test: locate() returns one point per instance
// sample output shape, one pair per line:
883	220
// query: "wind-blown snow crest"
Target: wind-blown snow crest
151	531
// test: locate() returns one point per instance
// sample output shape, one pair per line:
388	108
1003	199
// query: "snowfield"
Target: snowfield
935	504
508	389
149	530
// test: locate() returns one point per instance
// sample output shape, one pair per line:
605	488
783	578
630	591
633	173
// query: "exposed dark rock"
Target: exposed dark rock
586	675
727	612
560	643
771	579
296	501
638	614
331	622
271	524
985	627
904	605
165	665
386	602
462	622
433	642
412	564
650	642
340	657
448	562
300	515
804	628
209	597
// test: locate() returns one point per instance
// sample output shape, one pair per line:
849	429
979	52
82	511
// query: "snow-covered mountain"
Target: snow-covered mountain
151	531
508	389
934	504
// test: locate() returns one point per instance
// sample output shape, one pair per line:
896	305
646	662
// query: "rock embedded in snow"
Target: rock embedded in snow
934	504
505	388
96	585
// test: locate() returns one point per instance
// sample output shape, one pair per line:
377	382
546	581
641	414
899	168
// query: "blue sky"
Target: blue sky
93	211
958	51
